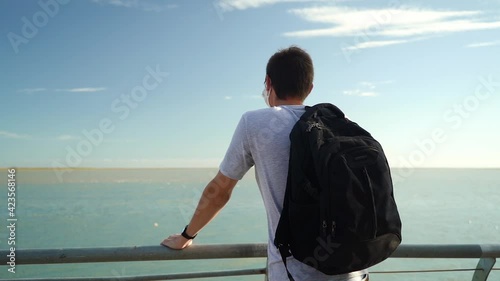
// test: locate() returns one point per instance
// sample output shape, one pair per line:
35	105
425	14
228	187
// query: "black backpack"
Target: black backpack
339	214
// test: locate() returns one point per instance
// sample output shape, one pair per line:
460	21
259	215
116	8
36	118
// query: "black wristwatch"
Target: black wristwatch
185	235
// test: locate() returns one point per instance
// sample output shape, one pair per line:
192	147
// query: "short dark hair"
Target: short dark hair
291	72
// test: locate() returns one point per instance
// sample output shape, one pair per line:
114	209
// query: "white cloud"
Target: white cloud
374	44
376	27
145	5
442	27
483	44
63	137
184	162
86	90
11	135
72	90
247	97
393	22
379	27
367	88
32	90
230	5
82	90
373	84
253	96
369	85
67	137
360	93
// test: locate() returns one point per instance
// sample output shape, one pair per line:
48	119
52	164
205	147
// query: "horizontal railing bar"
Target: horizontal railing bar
175	276
424	270
141	253
229	251
448	251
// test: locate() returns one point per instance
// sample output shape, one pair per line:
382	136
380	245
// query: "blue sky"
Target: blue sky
124	83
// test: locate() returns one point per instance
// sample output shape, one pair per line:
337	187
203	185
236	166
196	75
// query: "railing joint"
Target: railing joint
483	269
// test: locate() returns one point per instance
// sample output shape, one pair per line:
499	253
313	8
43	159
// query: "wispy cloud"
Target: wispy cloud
252	96
230	5
10	135
360	93
483	44
376	27
244	97
379	43
157	163
374	44
68	137
60	138
145	5
71	90
367	89
379	27
82	90
32	90
392	22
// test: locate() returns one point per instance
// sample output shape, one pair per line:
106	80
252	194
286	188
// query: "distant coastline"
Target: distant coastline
91	175
166	175
205	168
107	168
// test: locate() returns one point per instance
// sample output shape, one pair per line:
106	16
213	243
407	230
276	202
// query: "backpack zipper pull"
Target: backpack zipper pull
324	227
334	225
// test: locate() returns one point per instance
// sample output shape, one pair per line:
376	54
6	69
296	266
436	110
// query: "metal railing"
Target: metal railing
486	254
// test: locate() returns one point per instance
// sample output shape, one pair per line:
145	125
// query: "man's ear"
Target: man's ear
268	82
310	89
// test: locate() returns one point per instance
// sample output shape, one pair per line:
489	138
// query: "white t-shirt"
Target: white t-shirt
262	139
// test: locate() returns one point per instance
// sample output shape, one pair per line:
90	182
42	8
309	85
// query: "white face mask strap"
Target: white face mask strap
266	94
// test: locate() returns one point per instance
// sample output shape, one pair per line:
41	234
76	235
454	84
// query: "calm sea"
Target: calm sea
139	207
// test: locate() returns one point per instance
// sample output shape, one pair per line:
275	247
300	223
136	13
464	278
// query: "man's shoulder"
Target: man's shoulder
273	116
257	116
258	112
271	111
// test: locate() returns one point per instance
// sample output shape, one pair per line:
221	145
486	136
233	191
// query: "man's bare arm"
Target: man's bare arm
213	199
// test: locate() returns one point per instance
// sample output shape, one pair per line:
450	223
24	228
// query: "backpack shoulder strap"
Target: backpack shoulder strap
282	235
310	110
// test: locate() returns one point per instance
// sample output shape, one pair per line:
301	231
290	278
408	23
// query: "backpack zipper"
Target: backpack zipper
374	211
330	217
330	214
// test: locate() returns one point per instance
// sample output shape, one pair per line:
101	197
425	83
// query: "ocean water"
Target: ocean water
139	207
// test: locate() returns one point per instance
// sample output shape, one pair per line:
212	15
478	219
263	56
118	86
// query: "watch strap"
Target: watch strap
185	235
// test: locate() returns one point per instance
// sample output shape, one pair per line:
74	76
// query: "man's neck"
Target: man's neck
289	102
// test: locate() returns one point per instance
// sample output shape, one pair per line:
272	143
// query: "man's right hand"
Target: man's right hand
176	242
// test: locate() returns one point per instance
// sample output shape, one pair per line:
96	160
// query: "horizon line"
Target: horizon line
214	167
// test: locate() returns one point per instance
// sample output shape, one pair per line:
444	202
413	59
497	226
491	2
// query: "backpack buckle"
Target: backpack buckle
313	125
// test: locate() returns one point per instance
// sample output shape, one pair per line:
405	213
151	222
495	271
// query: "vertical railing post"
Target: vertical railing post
266	277
483	269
